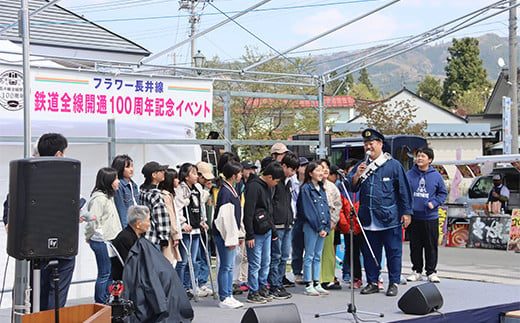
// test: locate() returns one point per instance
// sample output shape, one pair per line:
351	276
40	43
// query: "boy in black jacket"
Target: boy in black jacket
283	219
260	230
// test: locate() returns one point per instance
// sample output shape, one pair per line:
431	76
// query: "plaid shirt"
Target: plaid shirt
159	229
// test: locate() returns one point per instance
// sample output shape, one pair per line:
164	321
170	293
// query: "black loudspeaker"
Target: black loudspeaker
44	196
421	299
309	152
280	313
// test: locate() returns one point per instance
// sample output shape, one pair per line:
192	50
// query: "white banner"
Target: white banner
74	95
507	137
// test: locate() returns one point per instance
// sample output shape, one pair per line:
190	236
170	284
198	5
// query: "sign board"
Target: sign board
514	234
489	232
506	124
60	94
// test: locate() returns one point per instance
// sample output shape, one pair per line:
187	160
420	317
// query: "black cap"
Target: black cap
248	165
266	161
372	134
150	167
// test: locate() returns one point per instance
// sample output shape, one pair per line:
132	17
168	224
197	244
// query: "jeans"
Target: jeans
181	267
65	271
391	240
358	242
280	249
313	248
202	268
225	268
297	247
104	267
259	258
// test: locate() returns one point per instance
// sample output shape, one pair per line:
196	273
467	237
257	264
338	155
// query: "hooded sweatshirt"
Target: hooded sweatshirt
427	186
258	196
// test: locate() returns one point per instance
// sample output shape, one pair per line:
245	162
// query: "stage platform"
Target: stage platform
458	295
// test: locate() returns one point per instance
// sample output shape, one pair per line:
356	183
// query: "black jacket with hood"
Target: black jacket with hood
257	196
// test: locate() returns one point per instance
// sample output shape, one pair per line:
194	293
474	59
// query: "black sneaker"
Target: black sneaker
255	298
392	290
330	286
287	283
370	288
237	290
189	294
280	293
265	294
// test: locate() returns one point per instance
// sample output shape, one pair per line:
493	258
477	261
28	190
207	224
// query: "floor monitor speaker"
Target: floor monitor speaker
421	299
280	313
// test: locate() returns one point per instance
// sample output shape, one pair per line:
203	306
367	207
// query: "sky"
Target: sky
278	24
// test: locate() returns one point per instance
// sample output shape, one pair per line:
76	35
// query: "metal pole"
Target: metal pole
111	132
193	21
513	76
21	281
320	36
227	121
321	111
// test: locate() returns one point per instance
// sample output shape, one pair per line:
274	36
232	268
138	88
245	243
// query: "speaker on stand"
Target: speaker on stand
44	197
421	300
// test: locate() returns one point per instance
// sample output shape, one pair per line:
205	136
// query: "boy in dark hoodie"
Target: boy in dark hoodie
429	192
283	219
260	230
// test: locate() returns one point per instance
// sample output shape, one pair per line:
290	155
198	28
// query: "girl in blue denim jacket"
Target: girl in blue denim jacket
313	208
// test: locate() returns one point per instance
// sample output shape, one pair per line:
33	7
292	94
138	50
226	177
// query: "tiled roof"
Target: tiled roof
61	28
341	101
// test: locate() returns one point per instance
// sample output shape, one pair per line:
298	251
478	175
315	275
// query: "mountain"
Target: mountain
409	68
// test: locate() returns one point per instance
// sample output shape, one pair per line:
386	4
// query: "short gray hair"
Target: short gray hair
137	212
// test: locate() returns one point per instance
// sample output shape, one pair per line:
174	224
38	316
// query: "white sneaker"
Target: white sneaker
414	277
228	303
433	278
206	290
201	292
237	302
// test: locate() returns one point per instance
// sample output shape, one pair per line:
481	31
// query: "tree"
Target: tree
464	70
261	118
471	102
365	79
361	91
429	88
392	119
344	87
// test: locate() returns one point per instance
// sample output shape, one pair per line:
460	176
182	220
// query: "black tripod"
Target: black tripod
351	307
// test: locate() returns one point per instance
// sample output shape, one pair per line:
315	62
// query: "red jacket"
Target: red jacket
344	217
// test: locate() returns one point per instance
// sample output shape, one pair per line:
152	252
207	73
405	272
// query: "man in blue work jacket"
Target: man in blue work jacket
385	205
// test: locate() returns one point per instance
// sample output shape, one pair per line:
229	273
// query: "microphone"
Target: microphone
367	155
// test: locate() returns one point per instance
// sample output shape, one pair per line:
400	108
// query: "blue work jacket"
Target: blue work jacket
313	208
384	196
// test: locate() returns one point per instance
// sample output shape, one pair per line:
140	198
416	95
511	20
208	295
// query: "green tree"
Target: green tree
361	91
392	119
471	101
344	87
429	88
464	70
365	79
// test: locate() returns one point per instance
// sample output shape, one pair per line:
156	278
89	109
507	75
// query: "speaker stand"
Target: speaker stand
36	281
351	307
56	279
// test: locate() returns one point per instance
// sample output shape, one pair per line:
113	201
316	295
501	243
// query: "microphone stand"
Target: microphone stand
351	307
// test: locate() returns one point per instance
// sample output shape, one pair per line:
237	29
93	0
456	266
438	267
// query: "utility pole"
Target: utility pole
190	6
513	76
